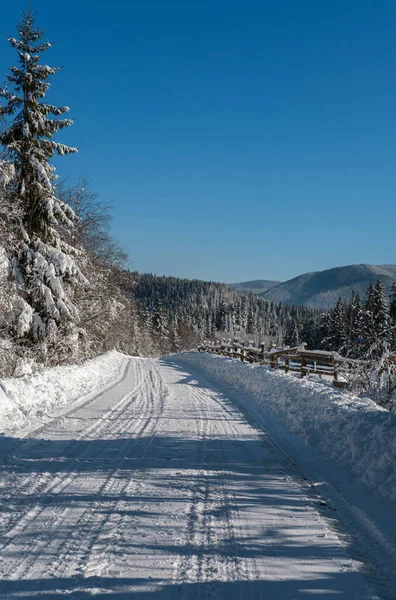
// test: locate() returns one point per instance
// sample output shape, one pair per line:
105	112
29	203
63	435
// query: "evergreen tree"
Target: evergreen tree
251	322
175	339
376	328
42	264
354	322
293	329
381	312
293	334
160	327
392	314
221	317
336	328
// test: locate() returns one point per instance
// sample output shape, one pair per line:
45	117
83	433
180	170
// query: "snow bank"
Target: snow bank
27	400
352	431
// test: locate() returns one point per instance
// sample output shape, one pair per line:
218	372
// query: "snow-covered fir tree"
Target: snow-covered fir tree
293	330
354	322
376	320
8	216
392	308
42	263
335	337
392	313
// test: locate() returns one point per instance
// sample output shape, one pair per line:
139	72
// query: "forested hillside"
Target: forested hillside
258	286
65	290
322	289
190	310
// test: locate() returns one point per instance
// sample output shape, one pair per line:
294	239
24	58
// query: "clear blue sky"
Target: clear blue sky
235	140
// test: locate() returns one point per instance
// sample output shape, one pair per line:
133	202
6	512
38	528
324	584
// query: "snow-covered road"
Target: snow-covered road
160	486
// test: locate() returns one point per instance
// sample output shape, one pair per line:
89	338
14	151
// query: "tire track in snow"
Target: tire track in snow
237	567
366	543
187	568
210	544
112	523
59	516
33	485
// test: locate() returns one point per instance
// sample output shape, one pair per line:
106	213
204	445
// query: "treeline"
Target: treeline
60	270
360	327
65	291
353	328
197	309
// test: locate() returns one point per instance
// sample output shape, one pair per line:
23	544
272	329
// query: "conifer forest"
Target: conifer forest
66	292
197	301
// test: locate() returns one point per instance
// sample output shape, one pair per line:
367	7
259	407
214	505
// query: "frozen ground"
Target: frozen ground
169	485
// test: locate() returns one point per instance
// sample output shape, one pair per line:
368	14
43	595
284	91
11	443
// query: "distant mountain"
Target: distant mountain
257	287
323	288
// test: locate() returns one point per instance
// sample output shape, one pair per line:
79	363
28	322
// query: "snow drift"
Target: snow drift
27	399
352	431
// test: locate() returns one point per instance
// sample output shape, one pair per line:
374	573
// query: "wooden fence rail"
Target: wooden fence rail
298	359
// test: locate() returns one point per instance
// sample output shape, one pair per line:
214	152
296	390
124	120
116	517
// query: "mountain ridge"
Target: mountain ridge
321	289
257	286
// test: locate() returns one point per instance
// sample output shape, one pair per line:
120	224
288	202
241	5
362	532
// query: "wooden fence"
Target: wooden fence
298	359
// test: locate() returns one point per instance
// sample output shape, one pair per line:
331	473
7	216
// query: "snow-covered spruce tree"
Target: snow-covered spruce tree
43	263
334	326
160	328
376	320
392	314
8	219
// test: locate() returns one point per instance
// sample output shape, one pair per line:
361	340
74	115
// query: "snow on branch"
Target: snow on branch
7	173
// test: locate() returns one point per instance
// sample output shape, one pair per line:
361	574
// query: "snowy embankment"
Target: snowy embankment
352	431
27	400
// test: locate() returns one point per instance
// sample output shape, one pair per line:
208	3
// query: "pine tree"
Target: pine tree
42	264
221	316
381	312
251	322
335	325
8	216
354	323
294	334
376	332
392	313
175	339
160	327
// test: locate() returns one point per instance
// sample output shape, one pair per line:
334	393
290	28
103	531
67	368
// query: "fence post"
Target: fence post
287	364
250	355
235	347
303	367
262	353
243	352
335	369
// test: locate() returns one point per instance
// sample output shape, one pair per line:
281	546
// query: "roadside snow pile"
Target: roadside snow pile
352	431
24	400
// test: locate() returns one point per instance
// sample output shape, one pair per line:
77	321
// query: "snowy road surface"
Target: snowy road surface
161	487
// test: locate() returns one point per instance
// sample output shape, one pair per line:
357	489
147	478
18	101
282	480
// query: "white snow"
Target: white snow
352	431
22	315
27	400
4	265
7	173
42	177
161	486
